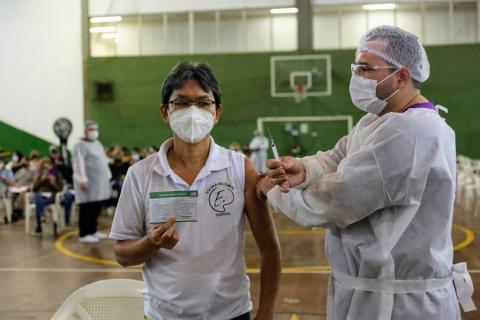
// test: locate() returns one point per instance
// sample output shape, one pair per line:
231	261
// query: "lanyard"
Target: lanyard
426	105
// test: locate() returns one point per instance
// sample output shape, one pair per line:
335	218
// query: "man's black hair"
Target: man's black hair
185	71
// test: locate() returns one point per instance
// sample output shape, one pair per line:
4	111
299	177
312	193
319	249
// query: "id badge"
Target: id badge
182	205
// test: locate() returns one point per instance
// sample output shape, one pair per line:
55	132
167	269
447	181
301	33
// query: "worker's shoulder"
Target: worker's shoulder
417	123
79	144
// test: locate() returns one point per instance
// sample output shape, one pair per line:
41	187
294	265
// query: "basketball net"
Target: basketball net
300	92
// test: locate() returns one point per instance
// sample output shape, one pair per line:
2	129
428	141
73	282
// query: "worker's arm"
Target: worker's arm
288	172
263	229
78	166
375	177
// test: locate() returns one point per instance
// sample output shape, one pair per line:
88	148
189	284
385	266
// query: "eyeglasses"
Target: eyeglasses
360	69
186	103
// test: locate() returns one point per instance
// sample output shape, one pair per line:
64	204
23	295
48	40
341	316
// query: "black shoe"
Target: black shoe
38	230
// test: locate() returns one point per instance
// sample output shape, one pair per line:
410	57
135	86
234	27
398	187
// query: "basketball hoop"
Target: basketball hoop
300	92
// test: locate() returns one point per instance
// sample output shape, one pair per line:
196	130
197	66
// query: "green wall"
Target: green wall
12	139
134	119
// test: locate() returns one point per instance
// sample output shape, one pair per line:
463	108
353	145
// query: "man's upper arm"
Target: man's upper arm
258	212
129	219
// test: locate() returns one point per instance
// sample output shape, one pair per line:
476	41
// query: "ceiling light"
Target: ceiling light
105	19
284	10
379	6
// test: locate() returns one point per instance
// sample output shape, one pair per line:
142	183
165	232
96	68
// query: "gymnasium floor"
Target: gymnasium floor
37	274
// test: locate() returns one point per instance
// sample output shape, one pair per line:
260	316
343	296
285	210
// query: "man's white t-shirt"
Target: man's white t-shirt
203	276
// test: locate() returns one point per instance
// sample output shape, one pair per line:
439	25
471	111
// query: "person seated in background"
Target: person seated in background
46	185
147	151
119	169
135	156
53	153
15	162
34	161
24	179
235	146
66	172
7	179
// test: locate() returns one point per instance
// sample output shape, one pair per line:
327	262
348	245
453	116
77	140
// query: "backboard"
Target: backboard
311	72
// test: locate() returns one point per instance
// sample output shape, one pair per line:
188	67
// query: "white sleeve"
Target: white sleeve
366	181
78	164
129	219
323	162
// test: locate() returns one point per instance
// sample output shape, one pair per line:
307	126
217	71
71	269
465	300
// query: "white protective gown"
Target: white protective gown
386	192
90	164
259	156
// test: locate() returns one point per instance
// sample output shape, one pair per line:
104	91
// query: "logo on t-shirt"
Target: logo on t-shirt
220	196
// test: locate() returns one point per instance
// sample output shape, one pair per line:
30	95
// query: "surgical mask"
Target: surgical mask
92	135
191	124
364	94
14	158
135	157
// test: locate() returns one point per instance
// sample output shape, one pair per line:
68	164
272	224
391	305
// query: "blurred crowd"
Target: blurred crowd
42	177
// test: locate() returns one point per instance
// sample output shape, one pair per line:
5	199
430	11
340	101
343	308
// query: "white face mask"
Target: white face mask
92	135
364	94
14	158
191	124
135	157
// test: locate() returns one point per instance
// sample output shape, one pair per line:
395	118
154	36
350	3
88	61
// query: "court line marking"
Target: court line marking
59	245
470	236
134	270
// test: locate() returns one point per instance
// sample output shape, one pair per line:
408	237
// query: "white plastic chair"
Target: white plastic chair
7	208
29	210
58	205
114	299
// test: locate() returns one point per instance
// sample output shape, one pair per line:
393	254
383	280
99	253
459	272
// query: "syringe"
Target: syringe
274	147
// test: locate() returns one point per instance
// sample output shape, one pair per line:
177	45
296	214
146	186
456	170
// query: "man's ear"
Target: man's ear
218	113
164	112
404	77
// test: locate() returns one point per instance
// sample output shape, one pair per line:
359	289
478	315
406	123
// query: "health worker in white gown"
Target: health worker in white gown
385	192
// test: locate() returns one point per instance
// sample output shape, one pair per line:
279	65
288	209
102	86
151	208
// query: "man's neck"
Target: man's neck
401	103
189	155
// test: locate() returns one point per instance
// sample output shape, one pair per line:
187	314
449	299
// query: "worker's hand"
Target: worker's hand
84	186
165	235
263	186
287	172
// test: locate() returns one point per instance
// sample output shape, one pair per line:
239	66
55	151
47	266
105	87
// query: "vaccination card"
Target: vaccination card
182	205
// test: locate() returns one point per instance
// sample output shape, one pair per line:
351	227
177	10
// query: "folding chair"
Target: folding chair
115	299
7	208
29	208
